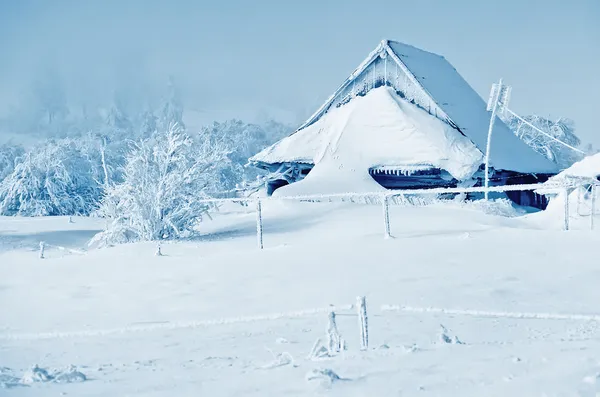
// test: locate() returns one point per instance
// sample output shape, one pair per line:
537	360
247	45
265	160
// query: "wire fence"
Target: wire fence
399	197
385	198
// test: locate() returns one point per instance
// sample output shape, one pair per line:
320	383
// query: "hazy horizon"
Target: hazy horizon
282	60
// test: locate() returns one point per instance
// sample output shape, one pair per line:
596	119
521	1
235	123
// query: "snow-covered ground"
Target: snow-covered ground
218	317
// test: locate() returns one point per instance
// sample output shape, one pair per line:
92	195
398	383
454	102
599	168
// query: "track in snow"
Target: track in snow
155	326
492	314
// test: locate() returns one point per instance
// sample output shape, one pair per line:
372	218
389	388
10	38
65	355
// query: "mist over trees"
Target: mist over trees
130	161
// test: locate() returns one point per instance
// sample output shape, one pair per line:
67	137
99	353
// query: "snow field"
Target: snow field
219	317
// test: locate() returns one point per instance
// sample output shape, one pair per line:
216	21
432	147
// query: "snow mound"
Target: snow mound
499	207
35	375
71	375
279	360
379	129
325	376
41	375
7	379
446	337
581	175
588	168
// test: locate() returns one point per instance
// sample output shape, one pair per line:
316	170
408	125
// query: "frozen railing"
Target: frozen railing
384	198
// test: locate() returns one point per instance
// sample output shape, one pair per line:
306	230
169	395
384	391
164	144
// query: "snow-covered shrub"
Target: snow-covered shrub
56	178
562	129
9	155
165	179
106	154
242	141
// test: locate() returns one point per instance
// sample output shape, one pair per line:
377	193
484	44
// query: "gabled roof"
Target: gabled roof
432	83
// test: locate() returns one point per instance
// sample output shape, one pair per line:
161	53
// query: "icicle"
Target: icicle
374	67
385	71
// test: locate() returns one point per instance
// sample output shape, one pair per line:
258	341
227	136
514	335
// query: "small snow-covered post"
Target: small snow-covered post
334	339
593	191
70	219
361	306
42	247
386	215
566	225
158	250
259	226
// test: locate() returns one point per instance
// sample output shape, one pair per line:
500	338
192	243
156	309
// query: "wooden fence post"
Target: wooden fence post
259	226
593	191
361	306
566	225
386	216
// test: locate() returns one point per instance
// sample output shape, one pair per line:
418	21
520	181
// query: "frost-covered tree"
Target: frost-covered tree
589	150
241	140
165	179
9	155
117	123
148	124
172	108
106	154
50	97
562	129
55	178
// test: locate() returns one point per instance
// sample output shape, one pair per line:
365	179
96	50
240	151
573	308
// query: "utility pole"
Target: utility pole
497	102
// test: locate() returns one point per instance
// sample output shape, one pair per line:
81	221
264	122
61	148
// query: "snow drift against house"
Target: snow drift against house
379	129
588	168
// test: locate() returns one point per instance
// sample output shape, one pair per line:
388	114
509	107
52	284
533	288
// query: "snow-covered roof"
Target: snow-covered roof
429	81
378	129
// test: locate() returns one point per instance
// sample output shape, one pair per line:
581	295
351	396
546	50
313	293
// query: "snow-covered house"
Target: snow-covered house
403	119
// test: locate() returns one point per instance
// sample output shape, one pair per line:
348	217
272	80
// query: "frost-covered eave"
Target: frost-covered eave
403	167
269	165
382	48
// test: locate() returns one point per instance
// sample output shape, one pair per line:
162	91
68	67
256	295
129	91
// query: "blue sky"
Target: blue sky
240	58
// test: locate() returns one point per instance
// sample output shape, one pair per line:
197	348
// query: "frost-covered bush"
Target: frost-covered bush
9	155
242	141
56	178
562	129
106	153
165	179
